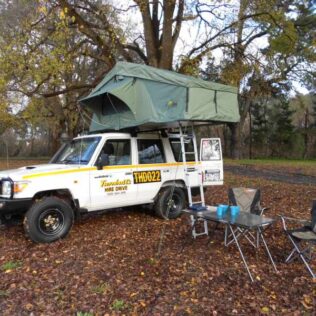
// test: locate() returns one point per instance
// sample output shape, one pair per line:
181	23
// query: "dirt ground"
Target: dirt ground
110	264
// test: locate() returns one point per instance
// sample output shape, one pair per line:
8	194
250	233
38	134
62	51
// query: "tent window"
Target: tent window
113	105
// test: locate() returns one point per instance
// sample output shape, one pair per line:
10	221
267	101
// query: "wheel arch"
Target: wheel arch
179	183
63	194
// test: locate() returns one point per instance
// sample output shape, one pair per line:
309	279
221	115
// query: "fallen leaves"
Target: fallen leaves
265	310
308	302
109	265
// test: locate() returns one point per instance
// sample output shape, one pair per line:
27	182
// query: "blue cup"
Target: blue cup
234	210
224	207
220	211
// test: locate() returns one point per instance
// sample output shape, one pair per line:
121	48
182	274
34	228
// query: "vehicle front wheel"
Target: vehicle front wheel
170	202
48	220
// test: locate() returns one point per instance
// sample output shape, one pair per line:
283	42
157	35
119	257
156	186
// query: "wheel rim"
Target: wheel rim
51	221
173	204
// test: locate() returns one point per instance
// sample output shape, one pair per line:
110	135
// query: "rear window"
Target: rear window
177	152
150	151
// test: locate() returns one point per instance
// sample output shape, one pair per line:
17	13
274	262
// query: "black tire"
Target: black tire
48	220
170	202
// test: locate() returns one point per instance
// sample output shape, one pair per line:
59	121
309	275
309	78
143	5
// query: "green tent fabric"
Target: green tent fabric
133	95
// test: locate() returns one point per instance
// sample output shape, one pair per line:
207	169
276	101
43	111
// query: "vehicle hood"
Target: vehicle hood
22	173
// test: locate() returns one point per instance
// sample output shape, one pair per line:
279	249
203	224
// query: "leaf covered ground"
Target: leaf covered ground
111	264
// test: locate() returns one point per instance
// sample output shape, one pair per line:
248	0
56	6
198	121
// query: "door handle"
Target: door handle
191	169
128	173
165	171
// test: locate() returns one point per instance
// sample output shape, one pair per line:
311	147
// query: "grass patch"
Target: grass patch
276	161
84	314
25	158
304	167
152	261
4	293
11	265
118	305
101	288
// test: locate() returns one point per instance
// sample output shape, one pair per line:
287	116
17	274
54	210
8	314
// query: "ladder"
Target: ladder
193	205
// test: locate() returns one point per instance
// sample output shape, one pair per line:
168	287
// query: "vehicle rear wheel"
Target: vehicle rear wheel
48	220
170	203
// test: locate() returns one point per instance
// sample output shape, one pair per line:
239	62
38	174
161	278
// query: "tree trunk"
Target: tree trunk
226	141
235	140
250	134
306	125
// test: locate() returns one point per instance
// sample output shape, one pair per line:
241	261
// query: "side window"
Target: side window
119	151
177	152
150	151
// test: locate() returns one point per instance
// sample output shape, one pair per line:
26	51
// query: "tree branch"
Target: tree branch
137	50
69	89
179	20
222	31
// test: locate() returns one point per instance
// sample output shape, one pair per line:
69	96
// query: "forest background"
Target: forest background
52	53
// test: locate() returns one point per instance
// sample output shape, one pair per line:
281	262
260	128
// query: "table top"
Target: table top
243	219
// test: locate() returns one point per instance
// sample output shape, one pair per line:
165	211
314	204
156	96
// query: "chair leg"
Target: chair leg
294	254
258	238
301	254
289	258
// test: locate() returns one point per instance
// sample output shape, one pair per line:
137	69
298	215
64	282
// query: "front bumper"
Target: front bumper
8	206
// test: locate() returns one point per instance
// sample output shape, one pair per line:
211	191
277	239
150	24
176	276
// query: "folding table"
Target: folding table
244	220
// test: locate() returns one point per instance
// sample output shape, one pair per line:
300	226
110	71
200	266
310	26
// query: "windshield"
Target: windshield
78	151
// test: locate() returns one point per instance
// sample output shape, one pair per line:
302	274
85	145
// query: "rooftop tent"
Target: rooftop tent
133	95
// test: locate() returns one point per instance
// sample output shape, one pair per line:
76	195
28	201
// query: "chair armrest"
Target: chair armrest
297	220
263	210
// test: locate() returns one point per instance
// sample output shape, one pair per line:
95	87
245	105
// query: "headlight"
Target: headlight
6	189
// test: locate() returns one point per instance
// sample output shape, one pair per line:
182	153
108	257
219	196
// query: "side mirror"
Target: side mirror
102	161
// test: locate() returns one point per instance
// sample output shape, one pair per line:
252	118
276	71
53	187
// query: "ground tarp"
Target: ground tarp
133	95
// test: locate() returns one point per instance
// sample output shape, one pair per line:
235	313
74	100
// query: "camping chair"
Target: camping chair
249	201
302	238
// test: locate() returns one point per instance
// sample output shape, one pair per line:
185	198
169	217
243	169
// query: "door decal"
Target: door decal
115	186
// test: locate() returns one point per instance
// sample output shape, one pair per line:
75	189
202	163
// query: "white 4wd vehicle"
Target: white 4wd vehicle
103	171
